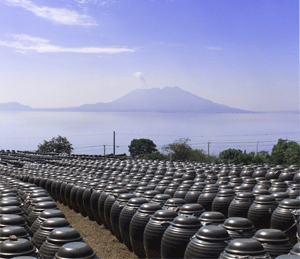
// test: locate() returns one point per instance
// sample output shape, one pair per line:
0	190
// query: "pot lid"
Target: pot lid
125	197
16	247
287	257
18	231
65	235
270	235
10	210
41	206
186	222
134	202
237	223
280	195
212	233
149	208
41	199
175	202
10	202
191	207
8	220
118	192
245	196
161	197
257	192
245	247
164	215
226	193
290	204
212	216
75	250
46	214
265	199
52	223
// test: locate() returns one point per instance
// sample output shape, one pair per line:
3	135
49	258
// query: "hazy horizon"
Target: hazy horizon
243	54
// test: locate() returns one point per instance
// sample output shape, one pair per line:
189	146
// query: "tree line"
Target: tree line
285	153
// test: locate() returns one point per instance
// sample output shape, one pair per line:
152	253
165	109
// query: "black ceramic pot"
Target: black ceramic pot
209	242
137	227
178	235
274	241
79	250
239	227
154	231
56	239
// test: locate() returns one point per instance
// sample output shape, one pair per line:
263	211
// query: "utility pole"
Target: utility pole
257	147
114	143
104	149
208	148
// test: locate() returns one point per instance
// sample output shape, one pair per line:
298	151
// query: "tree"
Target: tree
278	151
141	147
292	154
231	155
56	145
155	156
179	149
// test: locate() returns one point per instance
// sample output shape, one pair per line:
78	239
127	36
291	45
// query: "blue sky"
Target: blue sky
64	53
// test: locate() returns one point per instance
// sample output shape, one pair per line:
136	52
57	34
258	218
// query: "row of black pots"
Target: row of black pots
50	236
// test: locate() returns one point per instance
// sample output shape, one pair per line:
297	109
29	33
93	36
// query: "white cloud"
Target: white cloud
140	76
26	43
214	48
56	15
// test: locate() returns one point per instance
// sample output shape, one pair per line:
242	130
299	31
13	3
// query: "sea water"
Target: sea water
92	132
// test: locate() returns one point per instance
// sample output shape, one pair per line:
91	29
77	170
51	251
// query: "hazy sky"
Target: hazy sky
61	53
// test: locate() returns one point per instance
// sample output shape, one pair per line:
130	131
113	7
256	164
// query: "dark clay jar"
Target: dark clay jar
79	250
35	201
73	196
280	196
191	209
102	198
79	198
283	218
108	204
47	226
212	218
125	217
17	231
222	201
56	239
17	247
46	214
274	241
174	204
239	227
115	211
207	197
39	208
94	201
293	191
9	210
172	188
14	220
240	205
178	235
278	187
209	242
86	199
67	193
194	192
137	227
261	211
149	195
244	248
154	231
160	199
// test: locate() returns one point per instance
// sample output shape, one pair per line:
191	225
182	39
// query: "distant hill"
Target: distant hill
168	99
14	106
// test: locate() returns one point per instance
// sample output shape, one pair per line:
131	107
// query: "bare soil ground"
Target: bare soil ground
100	239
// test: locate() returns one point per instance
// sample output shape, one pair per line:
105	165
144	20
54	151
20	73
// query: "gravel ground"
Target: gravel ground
100	239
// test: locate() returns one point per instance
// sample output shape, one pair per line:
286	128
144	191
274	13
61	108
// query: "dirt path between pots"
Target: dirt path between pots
100	239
